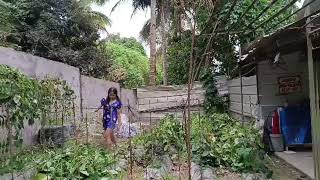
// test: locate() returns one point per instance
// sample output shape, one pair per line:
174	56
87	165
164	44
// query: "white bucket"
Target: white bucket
277	142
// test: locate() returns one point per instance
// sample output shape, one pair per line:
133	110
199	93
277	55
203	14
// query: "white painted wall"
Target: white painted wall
268	75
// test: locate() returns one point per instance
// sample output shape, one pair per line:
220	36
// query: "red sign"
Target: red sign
289	85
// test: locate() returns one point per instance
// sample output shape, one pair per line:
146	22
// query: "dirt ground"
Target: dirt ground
283	171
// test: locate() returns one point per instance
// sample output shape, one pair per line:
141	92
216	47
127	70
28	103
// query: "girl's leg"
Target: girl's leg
108	138
113	139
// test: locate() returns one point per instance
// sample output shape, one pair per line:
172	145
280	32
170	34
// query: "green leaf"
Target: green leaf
84	173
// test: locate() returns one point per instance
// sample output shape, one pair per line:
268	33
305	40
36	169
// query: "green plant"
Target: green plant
29	100
77	162
64	30
21	95
72	162
129	59
213	103
222	141
166	137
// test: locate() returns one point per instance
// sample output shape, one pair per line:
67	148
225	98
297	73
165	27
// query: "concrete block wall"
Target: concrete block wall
89	91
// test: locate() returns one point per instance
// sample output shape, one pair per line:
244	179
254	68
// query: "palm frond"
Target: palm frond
101	17
116	5
145	31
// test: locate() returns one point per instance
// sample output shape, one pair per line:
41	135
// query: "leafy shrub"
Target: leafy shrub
134	62
77	162
166	137
216	141
213	103
73	162
221	141
28	99
21	95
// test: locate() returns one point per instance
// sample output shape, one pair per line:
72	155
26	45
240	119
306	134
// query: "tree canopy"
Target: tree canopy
130	64
63	30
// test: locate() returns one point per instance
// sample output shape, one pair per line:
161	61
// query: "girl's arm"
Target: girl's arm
98	109
103	103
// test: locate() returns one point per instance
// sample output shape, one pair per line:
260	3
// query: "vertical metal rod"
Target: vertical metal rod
62	124
241	93
130	141
74	121
87	129
56	111
81	97
9	137
150	115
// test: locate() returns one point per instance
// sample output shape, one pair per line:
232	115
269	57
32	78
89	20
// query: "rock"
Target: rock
167	162
208	174
122	164
195	171
201	173
25	175
152	173
253	177
56	135
138	152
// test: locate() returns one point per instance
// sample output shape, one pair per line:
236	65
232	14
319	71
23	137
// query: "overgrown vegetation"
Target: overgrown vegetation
217	141
130	64
165	138
29	100
220	140
72	162
213	102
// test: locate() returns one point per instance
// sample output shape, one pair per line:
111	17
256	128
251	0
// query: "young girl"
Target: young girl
111	115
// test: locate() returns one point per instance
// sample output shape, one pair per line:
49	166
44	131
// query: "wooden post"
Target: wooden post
314	95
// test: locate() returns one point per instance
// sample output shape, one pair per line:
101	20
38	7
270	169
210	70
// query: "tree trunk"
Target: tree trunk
164	44
152	76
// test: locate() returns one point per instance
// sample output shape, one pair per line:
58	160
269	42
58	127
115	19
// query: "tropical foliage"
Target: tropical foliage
27	99
64	30
73	162
130	65
217	140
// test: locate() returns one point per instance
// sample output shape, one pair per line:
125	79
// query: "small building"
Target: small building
283	70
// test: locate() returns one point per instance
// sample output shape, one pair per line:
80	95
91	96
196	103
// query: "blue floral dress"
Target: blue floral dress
110	113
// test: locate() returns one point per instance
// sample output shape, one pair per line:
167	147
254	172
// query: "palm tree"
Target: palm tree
99	19
143	5
153	50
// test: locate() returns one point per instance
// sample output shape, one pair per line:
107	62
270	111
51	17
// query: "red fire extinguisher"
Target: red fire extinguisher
275	123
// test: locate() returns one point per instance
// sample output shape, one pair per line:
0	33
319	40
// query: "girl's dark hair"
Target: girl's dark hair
114	91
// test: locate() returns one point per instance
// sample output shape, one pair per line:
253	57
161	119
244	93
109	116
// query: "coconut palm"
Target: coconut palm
99	19
143	5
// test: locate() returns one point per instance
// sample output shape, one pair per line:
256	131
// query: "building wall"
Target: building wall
268	88
249	95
